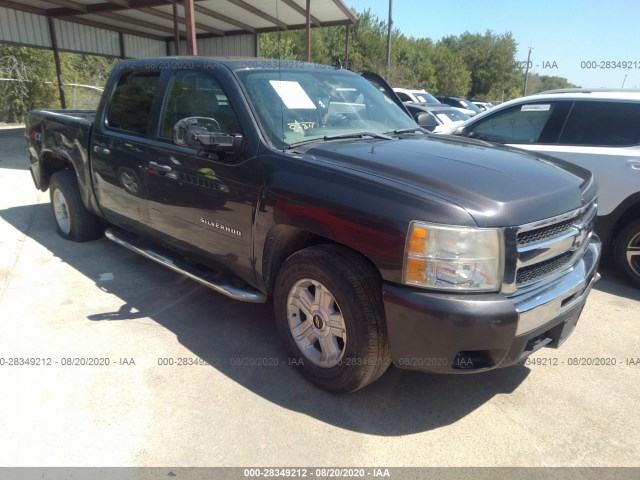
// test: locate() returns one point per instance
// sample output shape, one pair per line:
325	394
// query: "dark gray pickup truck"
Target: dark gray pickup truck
377	241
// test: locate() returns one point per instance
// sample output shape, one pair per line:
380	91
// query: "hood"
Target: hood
496	185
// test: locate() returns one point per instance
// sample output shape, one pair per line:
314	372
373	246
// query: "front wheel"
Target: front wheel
73	220
329	312
626	251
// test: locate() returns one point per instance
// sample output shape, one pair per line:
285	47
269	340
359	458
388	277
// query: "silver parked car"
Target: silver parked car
597	129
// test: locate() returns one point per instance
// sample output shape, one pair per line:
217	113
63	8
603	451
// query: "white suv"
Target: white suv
416	96
596	129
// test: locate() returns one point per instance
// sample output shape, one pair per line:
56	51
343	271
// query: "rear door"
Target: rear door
120	146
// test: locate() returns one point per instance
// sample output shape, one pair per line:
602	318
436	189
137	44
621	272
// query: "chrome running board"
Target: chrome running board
207	279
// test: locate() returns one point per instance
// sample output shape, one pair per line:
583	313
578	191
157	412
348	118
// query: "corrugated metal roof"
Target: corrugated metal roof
153	18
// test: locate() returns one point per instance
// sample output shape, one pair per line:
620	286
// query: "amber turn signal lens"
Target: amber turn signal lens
415	271
418	240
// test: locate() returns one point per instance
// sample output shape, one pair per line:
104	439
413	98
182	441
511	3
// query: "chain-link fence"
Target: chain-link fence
15	101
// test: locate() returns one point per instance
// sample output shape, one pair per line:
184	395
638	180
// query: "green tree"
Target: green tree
288	45
28	77
453	77
489	58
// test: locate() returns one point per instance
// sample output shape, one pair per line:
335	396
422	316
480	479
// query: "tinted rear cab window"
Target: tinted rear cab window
131	102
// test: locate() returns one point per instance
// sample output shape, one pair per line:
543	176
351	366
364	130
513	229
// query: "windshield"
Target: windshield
471	106
427	98
451	115
297	106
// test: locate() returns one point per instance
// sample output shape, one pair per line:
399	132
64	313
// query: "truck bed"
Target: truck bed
88	115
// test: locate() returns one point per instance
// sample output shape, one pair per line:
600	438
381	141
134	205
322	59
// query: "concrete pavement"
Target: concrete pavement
61	301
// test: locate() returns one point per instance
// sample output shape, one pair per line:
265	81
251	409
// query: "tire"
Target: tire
73	220
626	251
329	312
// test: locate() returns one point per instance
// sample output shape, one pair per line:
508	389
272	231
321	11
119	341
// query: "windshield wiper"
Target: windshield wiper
410	130
358	135
381	136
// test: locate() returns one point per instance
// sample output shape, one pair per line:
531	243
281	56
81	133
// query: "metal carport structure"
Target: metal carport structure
144	28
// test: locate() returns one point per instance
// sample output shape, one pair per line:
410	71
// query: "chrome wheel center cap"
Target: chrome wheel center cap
318	322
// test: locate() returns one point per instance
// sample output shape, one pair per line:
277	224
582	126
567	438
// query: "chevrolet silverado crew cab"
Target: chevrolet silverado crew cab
376	241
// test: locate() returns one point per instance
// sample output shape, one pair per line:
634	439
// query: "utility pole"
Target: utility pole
389	37
526	73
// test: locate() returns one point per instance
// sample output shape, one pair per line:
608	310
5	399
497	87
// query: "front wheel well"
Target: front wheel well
283	241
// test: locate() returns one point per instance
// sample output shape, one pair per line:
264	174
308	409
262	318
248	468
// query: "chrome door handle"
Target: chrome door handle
102	150
161	167
635	164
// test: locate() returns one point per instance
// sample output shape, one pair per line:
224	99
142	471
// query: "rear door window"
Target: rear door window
539	122
132	100
602	123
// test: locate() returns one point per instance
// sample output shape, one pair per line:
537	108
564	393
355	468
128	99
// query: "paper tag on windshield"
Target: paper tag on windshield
536	108
292	94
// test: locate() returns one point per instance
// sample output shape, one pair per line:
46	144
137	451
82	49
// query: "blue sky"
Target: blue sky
567	32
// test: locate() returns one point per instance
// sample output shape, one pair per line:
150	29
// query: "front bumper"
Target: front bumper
463	333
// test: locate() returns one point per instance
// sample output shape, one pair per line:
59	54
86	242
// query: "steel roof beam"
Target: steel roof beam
168	16
346	10
301	11
70	4
121	3
113	28
110	7
256	11
24	8
136	22
223	18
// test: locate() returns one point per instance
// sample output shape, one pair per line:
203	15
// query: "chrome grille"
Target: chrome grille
549	231
533	272
547	248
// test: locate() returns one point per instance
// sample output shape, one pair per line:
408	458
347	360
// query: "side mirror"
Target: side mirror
427	121
205	134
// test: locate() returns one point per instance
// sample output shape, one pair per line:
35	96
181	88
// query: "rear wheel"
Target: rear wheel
329	312
626	251
73	220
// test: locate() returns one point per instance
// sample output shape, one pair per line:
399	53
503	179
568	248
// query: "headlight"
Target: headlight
453	258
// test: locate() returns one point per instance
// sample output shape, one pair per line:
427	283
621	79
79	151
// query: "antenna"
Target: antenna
526	75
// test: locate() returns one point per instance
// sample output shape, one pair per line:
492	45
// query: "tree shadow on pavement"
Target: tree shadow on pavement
240	340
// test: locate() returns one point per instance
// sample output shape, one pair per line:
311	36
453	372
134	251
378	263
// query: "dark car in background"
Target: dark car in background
465	106
436	118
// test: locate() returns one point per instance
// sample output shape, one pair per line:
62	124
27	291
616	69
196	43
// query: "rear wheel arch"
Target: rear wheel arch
73	220
49	165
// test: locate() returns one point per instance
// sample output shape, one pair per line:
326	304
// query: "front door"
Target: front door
200	200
